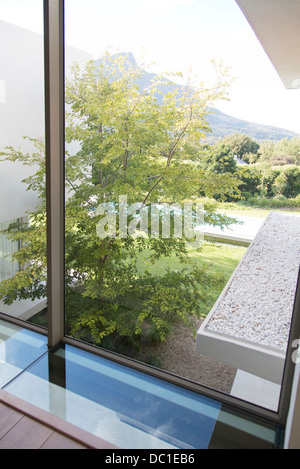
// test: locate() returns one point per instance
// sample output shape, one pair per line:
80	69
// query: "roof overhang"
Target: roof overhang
276	24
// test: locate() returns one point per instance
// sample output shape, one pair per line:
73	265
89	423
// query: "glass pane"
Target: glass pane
133	410
8	247
19	348
168	183
22	162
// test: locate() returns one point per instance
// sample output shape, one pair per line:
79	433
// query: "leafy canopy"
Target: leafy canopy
123	139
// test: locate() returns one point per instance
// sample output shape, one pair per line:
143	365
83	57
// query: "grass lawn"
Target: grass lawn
220	259
247	211
236	208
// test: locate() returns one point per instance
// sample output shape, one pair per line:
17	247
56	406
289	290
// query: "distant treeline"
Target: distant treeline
267	170
282	152
270	181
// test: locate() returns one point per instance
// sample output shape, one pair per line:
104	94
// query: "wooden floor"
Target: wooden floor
23	426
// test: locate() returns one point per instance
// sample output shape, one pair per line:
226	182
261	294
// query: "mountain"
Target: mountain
221	124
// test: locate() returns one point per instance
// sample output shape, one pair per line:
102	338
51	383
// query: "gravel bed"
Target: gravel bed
258	303
178	355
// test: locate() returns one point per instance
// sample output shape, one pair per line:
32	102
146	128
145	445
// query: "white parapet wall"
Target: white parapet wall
248	327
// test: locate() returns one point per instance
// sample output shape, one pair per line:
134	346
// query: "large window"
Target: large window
154	224
137	223
22	162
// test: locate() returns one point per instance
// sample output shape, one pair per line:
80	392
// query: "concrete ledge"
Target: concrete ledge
248	327
23	309
239	241
258	360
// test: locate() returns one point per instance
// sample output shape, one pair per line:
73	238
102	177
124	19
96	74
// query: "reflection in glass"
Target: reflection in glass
133	410
23	264
19	348
8	267
142	144
134	220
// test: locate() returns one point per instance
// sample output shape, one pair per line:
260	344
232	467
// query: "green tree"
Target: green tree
222	159
285	151
134	142
266	151
267	178
242	146
292	174
280	184
251	179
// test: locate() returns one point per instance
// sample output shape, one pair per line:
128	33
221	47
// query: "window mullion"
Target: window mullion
54	96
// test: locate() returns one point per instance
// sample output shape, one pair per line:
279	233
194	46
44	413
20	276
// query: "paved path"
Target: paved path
245	231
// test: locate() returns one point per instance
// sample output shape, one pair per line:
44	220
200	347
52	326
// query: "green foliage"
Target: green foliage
30	280
284	152
251	179
279	201
270	181
242	146
280	184
136	143
222	159
292	176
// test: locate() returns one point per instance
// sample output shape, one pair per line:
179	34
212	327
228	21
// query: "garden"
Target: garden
143	297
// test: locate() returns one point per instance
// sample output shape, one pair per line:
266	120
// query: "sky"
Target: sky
177	35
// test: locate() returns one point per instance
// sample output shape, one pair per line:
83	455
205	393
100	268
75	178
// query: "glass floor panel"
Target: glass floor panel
19	348
131	409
